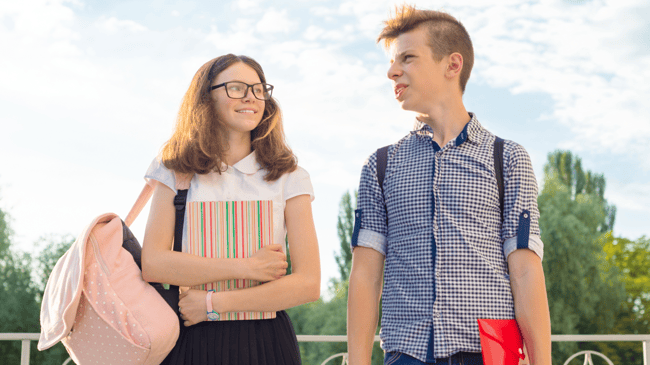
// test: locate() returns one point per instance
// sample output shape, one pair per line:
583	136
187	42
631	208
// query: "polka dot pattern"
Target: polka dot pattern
111	308
120	318
95	342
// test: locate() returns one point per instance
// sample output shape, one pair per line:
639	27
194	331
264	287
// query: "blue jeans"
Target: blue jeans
461	358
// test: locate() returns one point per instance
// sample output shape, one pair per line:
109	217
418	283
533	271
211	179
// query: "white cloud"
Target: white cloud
126	85
114	25
249	5
592	58
39	18
585	57
322	11
629	195
313	32
238	41
275	21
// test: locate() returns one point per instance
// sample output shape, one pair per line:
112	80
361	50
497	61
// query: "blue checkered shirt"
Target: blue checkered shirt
444	241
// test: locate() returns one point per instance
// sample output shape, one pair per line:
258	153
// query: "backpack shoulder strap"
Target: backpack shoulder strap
139	204
180	200
498	169
382	161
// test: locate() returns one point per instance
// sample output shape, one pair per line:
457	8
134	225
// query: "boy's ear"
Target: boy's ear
454	65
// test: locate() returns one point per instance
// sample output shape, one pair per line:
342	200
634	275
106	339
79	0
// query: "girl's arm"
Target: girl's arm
161	264
301	286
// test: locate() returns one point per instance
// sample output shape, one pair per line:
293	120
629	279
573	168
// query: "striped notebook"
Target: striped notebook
232	229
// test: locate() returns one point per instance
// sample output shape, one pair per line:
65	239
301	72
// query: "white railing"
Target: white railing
26	338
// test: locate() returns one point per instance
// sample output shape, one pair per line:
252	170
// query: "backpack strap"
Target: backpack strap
498	169
180	200
139	204
182	182
382	161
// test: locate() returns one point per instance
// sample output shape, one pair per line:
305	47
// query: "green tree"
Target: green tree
21	291
631	258
330	317
585	292
19	310
5	233
344	228
54	247
567	169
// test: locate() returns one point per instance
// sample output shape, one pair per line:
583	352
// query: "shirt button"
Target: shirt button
435	227
436	314
437	274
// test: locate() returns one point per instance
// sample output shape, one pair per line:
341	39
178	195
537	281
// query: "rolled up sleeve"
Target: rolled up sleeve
520	228
370	217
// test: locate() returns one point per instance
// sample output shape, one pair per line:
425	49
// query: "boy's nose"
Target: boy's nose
394	71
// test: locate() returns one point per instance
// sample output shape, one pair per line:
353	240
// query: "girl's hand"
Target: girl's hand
267	264
192	306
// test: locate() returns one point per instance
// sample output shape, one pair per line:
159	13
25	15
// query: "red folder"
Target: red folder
501	341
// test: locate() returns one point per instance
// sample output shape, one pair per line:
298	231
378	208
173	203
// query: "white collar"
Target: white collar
248	165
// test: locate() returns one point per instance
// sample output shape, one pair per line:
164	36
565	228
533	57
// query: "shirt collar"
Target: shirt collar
472	130
248	165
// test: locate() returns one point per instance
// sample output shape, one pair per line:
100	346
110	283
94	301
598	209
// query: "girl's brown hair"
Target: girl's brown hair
199	143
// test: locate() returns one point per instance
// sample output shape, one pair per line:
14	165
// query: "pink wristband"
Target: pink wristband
212	315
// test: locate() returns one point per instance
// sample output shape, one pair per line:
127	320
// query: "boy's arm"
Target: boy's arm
364	292
531	304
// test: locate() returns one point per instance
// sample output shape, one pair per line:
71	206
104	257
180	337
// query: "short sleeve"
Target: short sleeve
298	183
370	228
157	171
521	216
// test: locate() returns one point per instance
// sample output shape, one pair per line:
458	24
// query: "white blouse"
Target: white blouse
240	182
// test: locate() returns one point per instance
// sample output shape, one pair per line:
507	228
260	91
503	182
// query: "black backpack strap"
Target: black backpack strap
179	202
171	295
498	169
382	161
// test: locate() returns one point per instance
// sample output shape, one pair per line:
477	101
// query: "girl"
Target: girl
229	140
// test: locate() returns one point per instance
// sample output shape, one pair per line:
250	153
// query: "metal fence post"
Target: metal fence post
646	352
24	353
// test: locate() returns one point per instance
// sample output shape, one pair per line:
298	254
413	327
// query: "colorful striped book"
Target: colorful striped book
232	229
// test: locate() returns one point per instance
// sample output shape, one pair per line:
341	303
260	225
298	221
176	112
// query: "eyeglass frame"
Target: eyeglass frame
269	91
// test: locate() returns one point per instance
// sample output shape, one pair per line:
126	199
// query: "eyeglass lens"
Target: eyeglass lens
237	90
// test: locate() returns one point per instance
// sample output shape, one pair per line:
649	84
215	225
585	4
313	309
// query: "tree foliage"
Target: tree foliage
632	259
5	233
584	291
344	228
596	282
21	291
566	169
330	317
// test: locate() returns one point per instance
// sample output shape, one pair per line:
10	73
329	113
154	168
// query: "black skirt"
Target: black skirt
254	342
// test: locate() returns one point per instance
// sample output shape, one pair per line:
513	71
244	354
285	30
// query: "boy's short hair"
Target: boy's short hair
446	34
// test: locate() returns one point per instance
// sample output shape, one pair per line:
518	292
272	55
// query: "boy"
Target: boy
451	255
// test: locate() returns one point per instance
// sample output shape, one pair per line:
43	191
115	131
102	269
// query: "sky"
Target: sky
89	92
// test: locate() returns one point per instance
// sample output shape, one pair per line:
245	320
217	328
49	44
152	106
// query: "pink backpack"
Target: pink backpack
97	303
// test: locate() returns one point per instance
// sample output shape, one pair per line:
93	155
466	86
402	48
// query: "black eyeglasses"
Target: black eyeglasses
238	90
